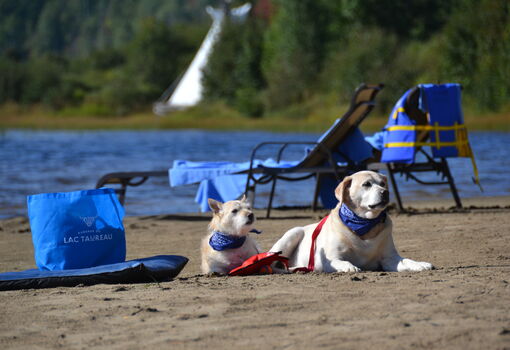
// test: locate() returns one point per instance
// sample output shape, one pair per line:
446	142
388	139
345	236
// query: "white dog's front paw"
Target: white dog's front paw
344	266
411	265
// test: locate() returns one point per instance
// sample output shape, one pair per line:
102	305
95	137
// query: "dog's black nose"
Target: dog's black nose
251	217
385	195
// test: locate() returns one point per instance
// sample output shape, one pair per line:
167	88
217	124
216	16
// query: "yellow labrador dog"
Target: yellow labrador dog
355	236
228	243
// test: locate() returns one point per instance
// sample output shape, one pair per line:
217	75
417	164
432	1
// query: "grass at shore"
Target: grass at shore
215	117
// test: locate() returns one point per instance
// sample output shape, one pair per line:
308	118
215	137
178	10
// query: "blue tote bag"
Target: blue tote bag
74	230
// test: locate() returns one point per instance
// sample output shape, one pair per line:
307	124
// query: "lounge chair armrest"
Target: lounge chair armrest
127	178
283	146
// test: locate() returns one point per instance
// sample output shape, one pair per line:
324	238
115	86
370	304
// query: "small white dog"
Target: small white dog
228	243
357	234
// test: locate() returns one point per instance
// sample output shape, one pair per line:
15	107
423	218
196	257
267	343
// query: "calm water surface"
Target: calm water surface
57	161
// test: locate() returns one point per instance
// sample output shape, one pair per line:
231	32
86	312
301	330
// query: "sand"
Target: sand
463	304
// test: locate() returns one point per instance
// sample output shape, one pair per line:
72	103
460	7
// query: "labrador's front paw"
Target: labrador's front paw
411	265
344	266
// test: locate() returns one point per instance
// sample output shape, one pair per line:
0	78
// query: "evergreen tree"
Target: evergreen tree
477	51
416	19
233	72
219	80
248	70
294	49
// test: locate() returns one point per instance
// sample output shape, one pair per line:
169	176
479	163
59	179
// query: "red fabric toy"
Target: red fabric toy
259	264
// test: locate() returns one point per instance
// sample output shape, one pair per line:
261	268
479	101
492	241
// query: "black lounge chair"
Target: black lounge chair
319	162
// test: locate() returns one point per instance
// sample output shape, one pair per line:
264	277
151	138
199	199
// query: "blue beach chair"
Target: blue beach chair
426	120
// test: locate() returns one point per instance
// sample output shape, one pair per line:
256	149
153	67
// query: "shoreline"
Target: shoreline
442	204
36	118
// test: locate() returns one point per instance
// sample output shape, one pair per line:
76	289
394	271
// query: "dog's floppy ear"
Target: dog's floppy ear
341	191
243	198
214	205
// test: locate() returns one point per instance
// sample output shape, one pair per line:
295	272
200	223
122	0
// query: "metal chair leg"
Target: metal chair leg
121	192
453	189
316	192
393	182
271	195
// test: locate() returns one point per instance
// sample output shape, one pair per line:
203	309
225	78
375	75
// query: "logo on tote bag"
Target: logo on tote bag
89	220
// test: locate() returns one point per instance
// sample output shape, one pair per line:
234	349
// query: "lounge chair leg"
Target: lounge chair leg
400	207
270	203
316	192
121	192
122	196
453	189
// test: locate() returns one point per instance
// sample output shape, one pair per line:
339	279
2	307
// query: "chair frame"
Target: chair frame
319	161
127	178
439	166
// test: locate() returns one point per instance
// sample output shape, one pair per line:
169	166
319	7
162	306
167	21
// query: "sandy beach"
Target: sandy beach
463	304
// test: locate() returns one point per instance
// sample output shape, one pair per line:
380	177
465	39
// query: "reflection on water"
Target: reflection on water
58	161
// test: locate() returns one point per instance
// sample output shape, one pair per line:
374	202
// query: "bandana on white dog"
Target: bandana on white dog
220	241
356	224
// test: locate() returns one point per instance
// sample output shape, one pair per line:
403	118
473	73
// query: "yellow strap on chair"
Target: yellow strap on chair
399	110
425	127
461	143
476	178
421	144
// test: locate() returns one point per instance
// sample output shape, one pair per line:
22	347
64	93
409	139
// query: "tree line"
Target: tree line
109	57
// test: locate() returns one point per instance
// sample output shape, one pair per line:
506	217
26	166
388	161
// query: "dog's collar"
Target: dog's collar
356	224
220	241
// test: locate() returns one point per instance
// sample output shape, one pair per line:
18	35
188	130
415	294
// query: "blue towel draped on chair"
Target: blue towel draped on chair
215	178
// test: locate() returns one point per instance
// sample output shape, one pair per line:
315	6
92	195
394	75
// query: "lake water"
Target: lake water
58	161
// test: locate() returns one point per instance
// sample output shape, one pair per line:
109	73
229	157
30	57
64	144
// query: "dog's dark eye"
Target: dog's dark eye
234	211
367	184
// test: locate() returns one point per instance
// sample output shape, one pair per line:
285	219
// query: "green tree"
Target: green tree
152	60
43	79
18	20
477	51
233	72
153	55
294	49
416	19
218	79
78	27
248	69
12	79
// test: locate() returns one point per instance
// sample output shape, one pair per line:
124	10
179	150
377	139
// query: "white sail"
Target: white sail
189	89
